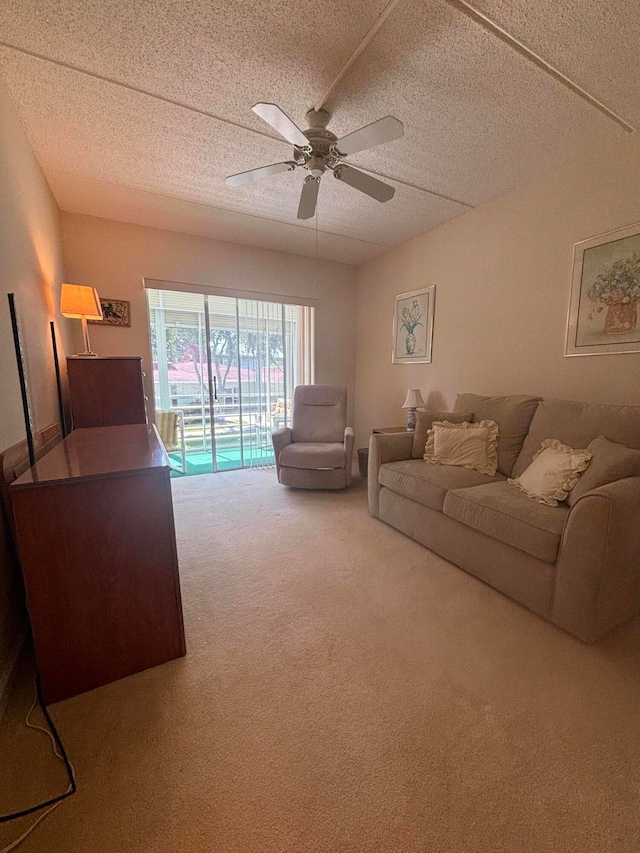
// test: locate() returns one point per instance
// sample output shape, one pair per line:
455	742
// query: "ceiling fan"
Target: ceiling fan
317	149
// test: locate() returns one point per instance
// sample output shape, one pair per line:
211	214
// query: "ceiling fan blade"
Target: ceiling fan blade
254	175
363	182
384	130
308	197
281	122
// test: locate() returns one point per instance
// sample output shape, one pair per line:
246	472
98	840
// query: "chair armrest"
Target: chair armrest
349	438
388	447
280	439
183	446
598	569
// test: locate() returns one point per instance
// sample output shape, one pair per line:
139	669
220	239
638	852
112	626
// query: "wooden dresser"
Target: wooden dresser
106	391
95	533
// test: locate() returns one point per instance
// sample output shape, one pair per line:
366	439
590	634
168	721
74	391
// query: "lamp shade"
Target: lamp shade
414	399
79	300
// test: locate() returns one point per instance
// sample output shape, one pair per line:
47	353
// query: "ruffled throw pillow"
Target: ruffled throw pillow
466	445
426	420
554	471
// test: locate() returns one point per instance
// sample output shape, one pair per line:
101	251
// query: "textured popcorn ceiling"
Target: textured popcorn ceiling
596	42
138	110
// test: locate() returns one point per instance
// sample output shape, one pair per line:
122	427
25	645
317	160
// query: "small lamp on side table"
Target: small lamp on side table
413	401
83	303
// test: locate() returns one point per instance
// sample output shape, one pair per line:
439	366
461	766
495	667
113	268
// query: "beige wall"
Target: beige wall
115	256
502	274
30	267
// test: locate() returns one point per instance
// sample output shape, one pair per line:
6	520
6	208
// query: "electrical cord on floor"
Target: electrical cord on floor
59	752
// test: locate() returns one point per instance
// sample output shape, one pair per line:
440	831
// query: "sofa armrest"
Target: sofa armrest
280	439
598	569
386	447
349	438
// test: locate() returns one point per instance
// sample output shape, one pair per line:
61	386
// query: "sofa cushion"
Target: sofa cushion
502	511
577	424
512	414
424	422
313	454
610	462
428	484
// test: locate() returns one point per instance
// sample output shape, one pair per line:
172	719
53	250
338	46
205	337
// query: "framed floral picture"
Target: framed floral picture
413	326
605	291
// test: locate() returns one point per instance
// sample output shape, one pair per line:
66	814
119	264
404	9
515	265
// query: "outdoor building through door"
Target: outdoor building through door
224	368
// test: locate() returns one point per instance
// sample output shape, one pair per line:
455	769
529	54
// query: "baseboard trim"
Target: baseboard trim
7	673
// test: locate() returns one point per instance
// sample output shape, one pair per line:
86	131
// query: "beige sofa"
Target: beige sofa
577	566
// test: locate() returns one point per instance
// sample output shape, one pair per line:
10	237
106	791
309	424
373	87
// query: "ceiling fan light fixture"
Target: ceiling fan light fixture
316	166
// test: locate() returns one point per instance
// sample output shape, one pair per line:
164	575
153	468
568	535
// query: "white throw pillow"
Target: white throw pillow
466	445
554	471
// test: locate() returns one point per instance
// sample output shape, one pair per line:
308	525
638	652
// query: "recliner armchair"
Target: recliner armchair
316	453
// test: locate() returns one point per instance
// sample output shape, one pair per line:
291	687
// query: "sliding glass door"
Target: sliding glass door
225	367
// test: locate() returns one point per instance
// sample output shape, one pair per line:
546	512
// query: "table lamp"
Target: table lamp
414	399
81	302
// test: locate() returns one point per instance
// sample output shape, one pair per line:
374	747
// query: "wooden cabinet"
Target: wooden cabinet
106	391
95	534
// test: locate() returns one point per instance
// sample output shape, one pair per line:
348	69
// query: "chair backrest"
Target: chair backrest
319	413
167	424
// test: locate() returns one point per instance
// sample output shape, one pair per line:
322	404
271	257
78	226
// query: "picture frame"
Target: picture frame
115	312
413	326
604	313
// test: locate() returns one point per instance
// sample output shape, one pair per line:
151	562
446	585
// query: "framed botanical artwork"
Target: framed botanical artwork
115	312
413	326
605	291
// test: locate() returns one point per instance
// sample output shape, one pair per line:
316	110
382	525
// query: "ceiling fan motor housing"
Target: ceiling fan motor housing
322	155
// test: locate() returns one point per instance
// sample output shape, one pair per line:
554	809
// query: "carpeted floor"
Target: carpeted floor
345	690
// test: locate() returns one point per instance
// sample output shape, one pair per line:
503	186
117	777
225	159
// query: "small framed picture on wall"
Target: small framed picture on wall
413	326
605	292
115	312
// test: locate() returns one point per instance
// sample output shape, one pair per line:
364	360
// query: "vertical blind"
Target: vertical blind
254	355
